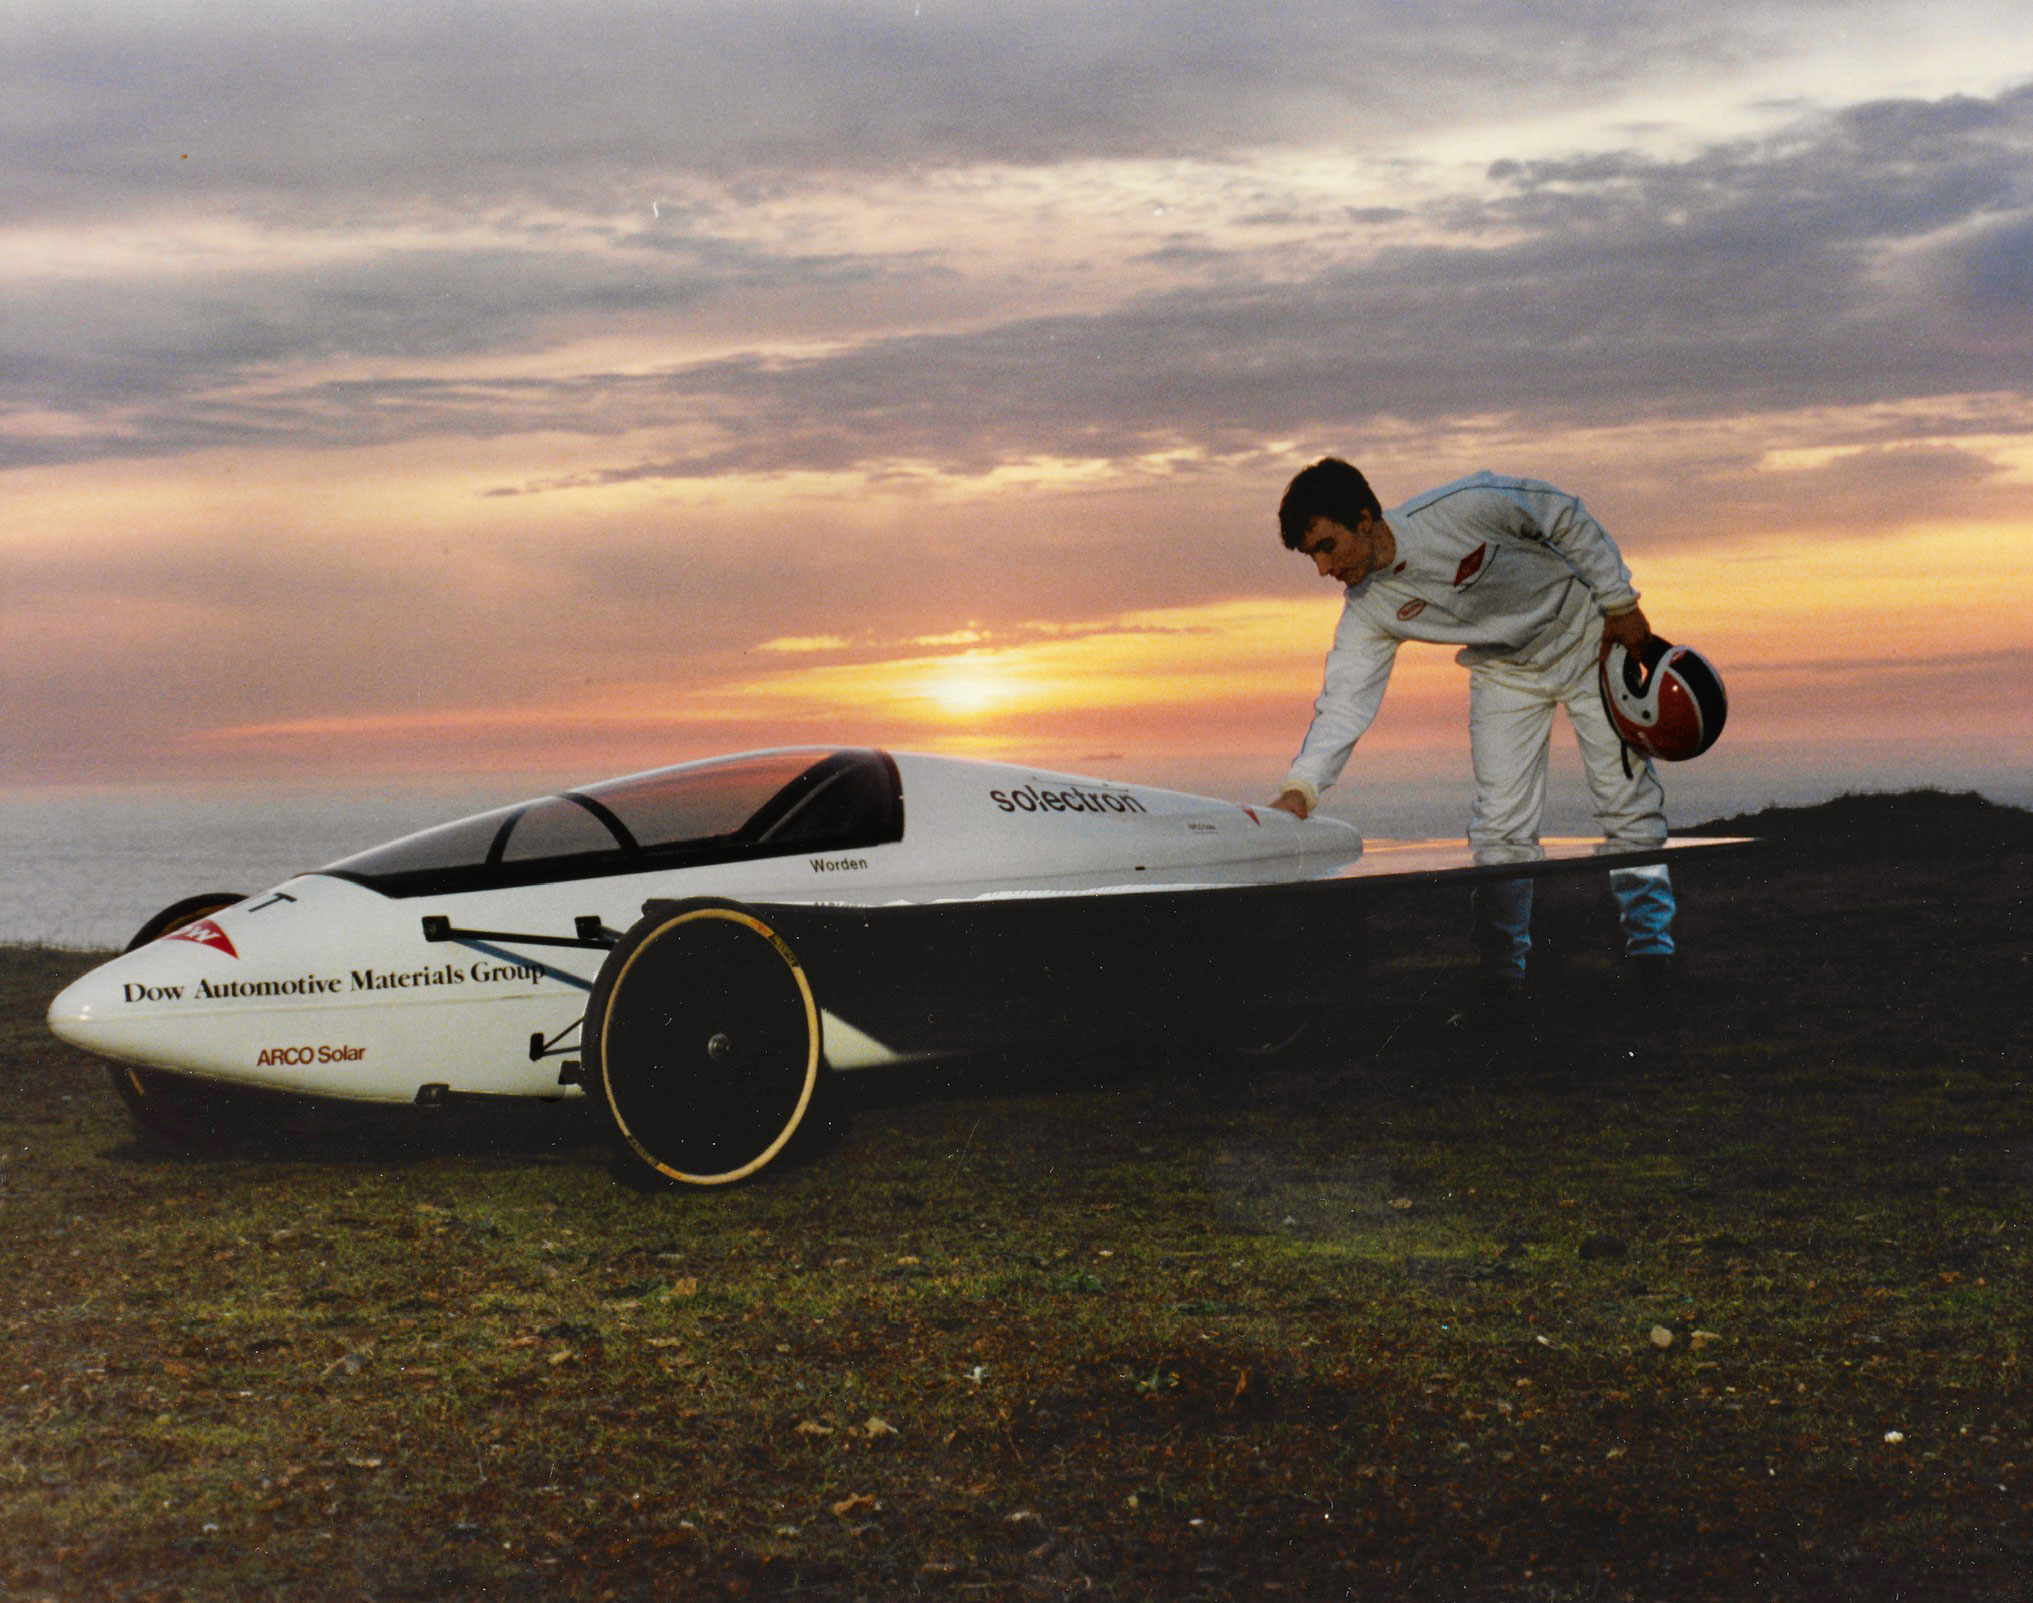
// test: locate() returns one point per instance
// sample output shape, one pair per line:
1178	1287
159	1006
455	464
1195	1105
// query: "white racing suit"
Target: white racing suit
1518	575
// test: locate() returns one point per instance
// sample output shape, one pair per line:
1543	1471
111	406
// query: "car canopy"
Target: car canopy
760	804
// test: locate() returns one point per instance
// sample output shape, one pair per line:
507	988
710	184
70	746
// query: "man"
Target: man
1533	591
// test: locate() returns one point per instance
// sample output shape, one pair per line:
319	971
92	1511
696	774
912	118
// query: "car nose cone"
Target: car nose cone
81	1009
136	1009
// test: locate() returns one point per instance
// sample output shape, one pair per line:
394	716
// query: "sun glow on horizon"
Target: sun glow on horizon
969	686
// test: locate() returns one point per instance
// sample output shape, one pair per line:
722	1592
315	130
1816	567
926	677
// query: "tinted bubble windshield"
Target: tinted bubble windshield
701	801
759	805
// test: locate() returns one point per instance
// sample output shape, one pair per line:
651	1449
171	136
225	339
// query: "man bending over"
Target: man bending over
1534	592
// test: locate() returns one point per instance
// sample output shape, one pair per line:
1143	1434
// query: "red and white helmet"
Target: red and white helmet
1666	701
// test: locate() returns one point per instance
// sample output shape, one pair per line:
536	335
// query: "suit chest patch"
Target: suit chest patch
1411	610
1472	564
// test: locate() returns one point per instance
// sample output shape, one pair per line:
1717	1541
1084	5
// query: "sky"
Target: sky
397	395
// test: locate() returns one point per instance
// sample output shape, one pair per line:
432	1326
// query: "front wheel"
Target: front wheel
178	1108
702	1043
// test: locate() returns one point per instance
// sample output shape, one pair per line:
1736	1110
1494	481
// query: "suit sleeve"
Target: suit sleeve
1554	518
1358	669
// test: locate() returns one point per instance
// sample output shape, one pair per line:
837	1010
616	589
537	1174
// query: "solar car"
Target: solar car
700	948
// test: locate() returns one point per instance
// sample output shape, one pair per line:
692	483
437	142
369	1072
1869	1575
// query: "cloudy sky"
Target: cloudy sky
405	393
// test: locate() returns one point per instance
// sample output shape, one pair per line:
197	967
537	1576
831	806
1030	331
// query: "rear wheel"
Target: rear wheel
177	1108
702	1043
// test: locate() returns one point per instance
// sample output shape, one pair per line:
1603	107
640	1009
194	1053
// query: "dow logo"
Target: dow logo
205	933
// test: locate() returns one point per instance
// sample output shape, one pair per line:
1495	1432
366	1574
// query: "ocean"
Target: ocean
88	869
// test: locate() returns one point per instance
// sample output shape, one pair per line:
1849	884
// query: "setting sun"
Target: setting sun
968	687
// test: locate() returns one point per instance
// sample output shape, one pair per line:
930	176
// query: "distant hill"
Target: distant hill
1910	823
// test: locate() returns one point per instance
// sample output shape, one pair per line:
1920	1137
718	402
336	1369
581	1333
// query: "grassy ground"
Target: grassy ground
1732	1309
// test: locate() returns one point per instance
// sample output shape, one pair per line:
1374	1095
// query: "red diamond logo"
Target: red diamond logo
1471	564
205	933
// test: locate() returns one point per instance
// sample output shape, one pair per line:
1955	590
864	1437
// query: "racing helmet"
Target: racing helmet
1665	700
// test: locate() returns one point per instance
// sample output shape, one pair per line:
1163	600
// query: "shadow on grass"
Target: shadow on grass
282	1129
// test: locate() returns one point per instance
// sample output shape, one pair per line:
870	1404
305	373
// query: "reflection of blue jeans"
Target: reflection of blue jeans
1503	926
1503	917
1644	909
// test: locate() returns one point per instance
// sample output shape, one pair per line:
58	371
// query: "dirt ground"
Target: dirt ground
1726	1305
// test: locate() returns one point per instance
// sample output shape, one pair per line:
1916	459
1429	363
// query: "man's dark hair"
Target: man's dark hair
1330	488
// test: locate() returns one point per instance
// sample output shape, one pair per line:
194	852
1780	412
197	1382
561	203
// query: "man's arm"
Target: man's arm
1557	519
1352	688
